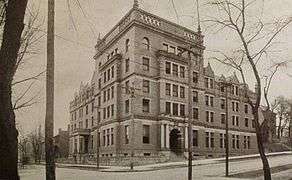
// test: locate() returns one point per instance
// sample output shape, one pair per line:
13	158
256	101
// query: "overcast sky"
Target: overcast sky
76	36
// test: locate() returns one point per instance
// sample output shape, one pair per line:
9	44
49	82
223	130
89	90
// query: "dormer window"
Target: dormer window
146	43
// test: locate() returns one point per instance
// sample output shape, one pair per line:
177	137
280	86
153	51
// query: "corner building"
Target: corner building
144	52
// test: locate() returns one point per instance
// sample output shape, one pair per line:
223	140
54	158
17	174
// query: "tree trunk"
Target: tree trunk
279	127
12	31
265	162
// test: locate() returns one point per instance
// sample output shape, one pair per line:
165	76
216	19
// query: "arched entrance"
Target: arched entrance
175	139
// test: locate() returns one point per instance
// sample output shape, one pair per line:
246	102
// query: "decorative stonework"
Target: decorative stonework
150	20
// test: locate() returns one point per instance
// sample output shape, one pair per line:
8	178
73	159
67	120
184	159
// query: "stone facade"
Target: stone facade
143	52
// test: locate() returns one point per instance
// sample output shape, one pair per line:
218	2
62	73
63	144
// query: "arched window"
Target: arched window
146	43
127	45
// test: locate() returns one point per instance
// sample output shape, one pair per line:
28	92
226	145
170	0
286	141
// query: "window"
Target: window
211	83
167	89
112	136
86	124
167	67
127	45
175	90
146	63
207	140
182	71
98	100
195	96
237	141
195	113
146	43
210	140
86	109
113	110
195	77
233	141
104	113
113	91
222	103
127	86
167	108
103	137
222	140
246	122
175	109
127	104
246	109
212	143
165	47
108	74
108	111
206	83
126	134
108	94
207	100
99	83
146	105
182	110
195	138
248	142
113	71
211	101
127	65
223	118
146	86
104	96
236	106
182	92
212	116
236	91
92	107
222	89
175	69
108	136
104	77
171	49
237	120
146	134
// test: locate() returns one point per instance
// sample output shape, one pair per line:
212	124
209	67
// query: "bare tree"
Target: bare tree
36	139
10	45
256	39
283	112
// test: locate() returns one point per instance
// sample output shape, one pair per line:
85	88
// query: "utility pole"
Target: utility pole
225	85
49	119
190	117
190	110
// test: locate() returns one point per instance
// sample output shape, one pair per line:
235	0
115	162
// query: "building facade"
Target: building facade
145	54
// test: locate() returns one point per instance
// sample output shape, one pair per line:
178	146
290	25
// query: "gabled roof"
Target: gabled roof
208	71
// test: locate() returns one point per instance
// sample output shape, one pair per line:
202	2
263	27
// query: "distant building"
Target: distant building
61	143
144	50
268	126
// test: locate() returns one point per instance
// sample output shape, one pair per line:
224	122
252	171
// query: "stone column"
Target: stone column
162	136
167	136
186	137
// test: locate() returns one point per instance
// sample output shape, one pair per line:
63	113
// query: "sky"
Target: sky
76	32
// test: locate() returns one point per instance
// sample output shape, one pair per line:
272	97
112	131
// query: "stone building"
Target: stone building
61	143
145	52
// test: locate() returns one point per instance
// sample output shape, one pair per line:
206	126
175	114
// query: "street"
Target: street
209	171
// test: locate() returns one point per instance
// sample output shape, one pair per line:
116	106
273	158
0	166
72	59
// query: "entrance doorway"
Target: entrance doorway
175	141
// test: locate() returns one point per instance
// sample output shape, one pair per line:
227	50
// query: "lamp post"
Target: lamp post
225	85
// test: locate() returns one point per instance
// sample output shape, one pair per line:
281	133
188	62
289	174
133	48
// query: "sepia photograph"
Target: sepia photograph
146	90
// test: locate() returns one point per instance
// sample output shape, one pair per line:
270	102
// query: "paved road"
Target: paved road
204	172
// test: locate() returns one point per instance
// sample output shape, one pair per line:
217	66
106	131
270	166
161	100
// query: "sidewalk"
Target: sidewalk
153	167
